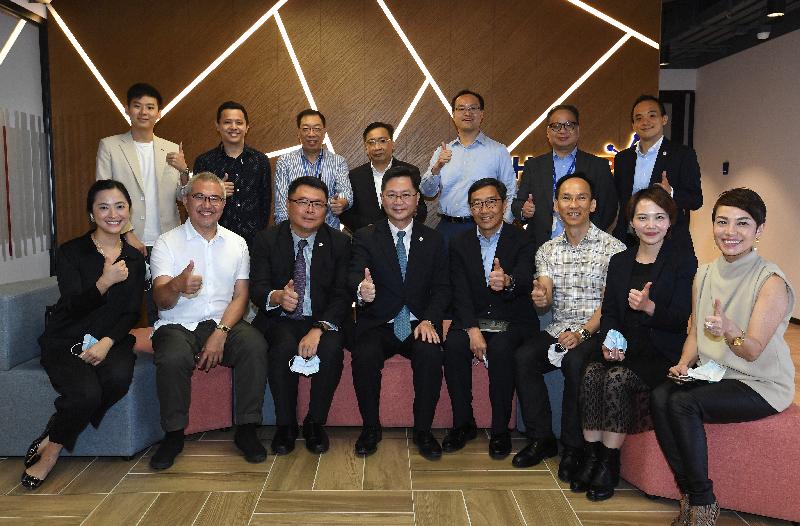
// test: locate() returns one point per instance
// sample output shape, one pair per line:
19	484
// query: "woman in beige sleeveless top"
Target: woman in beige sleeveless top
741	308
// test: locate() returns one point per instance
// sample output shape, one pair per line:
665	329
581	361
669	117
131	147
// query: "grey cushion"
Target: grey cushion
22	307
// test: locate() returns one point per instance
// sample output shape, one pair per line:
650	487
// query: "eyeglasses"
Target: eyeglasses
381	140
405	196
309	129
213	199
569	125
488	204
468	109
305	203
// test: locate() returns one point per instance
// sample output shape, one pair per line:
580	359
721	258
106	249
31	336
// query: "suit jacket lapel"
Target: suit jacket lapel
386	242
661	161
285	246
417	253
160	156
129	151
658	266
474	259
548	168
320	254
369	184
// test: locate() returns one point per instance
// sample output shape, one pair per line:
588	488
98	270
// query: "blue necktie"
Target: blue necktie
402	322
299	278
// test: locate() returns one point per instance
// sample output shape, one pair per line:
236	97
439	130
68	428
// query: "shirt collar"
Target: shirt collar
222	152
192	233
376	172
494	237
591	236
653	149
296	239
394	230
571	155
480	139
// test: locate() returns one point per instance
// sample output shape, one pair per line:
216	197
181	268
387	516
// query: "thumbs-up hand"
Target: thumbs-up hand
229	188
177	160
640	299
186	282
528	208
720	325
367	288
498	279
114	272
539	294
289	298
444	157
664	183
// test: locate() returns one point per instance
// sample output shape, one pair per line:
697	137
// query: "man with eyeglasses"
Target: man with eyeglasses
311	160
299	283
398	273
533	204
200	284
491	270
654	159
457	164
366	179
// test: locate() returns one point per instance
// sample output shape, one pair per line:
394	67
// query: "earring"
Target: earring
757	240
91	217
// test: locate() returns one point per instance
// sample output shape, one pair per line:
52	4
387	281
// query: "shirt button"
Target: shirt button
238	204
142	218
141	198
237	189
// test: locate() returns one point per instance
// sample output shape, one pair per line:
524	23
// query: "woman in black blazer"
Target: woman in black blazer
647	301
87	350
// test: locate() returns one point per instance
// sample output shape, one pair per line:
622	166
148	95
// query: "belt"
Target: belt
451	219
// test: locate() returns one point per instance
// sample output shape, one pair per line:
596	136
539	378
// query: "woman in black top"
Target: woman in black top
101	280
648	301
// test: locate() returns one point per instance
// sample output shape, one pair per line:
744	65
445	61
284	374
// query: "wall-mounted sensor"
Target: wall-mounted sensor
725	166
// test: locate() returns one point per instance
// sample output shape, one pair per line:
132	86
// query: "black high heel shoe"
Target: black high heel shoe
33	456
29	481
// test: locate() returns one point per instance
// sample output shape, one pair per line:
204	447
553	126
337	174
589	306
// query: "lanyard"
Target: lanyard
569	171
316	167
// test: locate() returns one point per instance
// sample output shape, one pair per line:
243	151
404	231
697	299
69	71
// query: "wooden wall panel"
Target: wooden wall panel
520	54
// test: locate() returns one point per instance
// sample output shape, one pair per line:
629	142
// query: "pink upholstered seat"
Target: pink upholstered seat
755	466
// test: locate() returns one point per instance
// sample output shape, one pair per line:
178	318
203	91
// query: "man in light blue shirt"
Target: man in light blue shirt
471	156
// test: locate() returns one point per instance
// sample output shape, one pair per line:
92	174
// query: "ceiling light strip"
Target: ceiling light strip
11	39
414	55
411	107
299	70
88	62
577	84
614	22
225	54
278	153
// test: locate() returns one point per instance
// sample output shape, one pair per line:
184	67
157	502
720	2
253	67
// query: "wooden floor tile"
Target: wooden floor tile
517	479
206	464
340	468
48	505
388	467
63	473
363	519
162	482
212	447
100	477
756	520
335	501
174	508
460	461
121	509
440	508
10	471
545	508
492	507
653	518
227	509
623	500
294	471
42	521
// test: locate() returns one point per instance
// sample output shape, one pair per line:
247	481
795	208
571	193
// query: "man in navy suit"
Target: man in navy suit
299	283
366	179
656	160
399	275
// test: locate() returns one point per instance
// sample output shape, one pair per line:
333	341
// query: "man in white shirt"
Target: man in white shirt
200	284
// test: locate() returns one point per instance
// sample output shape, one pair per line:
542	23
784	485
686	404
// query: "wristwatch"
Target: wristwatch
585	334
511	284
321	325
224	328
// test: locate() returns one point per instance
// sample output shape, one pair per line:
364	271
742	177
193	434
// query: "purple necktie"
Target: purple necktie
299	278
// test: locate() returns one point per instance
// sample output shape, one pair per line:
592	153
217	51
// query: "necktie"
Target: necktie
402	322
300	278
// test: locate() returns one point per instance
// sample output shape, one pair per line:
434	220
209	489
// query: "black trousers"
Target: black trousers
678	414
375	346
500	347
175	350
531	365
85	391
283	335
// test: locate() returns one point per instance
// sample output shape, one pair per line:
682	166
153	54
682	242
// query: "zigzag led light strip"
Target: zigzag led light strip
616	23
11	39
88	62
411	107
575	85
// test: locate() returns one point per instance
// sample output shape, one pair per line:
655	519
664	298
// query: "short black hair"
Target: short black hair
576	175
307	180
488	181
140	89
566	107
308	111
232	105
643	98
401	171
743	198
375	125
105	184
466	92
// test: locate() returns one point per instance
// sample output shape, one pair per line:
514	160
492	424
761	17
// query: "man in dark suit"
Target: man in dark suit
533	204
366	179
399	275
491	270
299	283
654	159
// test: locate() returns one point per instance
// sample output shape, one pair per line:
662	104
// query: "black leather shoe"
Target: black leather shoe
367	442
283	441
32	456
583	476
316	438
457	437
29	481
170	446
571	460
535	452
246	439
427	445
500	445
606	476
